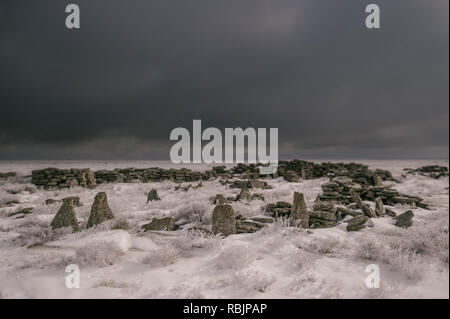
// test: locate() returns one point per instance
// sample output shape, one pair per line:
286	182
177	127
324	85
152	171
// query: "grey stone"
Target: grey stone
65	217
357	223
358	201
379	207
390	212
322	215
100	211
244	195
347	211
223	220
23	211
262	219
153	195
377	180
323	206
299	212
404	220
166	223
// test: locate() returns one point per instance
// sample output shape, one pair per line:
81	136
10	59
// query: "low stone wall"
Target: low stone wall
54	178
291	171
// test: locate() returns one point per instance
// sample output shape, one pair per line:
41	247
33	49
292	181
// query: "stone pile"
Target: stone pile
54	178
338	190
433	171
323	215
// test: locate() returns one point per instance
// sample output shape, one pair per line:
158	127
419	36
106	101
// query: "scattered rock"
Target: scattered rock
357	223
262	219
248	226
323	206
23	211
100	210
153	195
65	217
347	211
329	216
390	212
279	209
51	201
223	220
433	171
299	212
166	223
404	220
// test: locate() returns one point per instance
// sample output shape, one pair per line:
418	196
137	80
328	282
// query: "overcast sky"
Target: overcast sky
136	69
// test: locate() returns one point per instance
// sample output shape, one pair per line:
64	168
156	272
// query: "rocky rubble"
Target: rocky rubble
433	171
166	223
339	190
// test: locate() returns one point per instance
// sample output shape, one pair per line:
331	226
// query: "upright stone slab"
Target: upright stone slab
65	217
379	207
299	212
153	195
100	211
223	220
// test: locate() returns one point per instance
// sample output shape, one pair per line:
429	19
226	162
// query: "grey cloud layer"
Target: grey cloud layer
137	69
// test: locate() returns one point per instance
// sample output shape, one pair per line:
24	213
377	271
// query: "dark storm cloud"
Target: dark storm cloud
137	69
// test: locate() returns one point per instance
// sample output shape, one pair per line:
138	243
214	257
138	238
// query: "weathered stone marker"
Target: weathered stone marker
223	220
65	217
100	211
299	212
153	195
379	207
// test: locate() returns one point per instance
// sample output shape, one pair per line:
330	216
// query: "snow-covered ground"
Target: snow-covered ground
119	260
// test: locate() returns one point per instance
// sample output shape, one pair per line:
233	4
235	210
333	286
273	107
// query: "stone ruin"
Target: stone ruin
339	189
54	178
433	171
291	171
